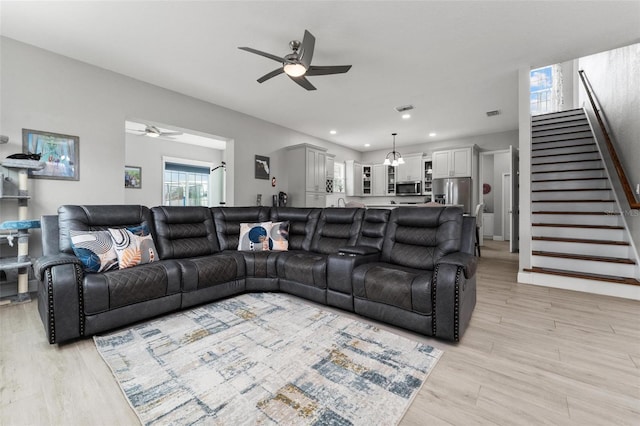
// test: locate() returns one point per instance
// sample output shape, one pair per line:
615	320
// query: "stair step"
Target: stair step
574	170
562	154
566	162
573	231
565	158
567	130
562	137
581	241
574	122
569	180
562	141
578	213
575	145
596	277
571	190
557	115
583	257
573	225
573	201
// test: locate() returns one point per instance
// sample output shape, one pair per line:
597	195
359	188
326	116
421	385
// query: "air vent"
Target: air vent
493	113
404	108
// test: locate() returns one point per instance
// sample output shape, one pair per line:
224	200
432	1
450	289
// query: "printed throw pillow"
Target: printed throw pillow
254	237
131	249
94	249
279	236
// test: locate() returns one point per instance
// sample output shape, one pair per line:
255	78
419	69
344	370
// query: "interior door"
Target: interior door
514	244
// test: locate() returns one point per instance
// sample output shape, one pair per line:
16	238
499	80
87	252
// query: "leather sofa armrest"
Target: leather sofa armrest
340	269
467	262
45	262
357	251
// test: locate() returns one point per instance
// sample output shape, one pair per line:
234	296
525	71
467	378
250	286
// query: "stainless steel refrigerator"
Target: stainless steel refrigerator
453	191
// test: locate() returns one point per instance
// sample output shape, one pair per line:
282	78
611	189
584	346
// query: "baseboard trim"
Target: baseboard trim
624	291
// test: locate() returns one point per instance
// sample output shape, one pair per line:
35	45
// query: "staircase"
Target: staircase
577	230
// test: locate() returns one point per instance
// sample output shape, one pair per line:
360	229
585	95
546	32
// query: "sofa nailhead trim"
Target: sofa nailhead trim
433	301
456	307
80	297
52	318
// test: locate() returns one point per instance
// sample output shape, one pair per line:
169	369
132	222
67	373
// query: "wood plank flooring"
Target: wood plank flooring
532	355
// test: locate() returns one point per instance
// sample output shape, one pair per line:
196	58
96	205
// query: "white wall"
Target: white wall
45	91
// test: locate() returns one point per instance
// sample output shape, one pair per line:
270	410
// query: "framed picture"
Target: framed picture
132	177
59	153
262	167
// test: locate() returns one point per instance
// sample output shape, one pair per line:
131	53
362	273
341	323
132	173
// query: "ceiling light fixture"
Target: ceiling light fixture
333	132
367	145
432	134
394	157
294	69
406	116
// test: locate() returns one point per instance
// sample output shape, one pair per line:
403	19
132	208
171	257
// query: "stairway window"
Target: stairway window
546	90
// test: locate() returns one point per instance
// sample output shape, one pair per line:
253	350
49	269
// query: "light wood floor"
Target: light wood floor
532	355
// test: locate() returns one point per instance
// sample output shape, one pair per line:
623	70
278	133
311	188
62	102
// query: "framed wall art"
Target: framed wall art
262	167
58	152
133	177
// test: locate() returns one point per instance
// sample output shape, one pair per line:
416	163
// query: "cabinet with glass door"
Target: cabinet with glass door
428	179
391	180
366	180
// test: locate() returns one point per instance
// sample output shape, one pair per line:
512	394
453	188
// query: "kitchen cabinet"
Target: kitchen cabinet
379	180
390	180
353	178
330	169
427	181
453	163
411	170
307	175
366	179
315	199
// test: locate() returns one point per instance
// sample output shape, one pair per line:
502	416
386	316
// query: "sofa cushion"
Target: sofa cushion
94	249
394	285
208	271
279	236
374	227
98	218
228	219
254	236
184	232
417	237
337	227
133	250
302	224
110	290
303	267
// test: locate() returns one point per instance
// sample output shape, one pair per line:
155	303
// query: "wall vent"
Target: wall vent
404	108
493	113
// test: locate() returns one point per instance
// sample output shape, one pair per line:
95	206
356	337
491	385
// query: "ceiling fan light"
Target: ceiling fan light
387	162
152	134
295	70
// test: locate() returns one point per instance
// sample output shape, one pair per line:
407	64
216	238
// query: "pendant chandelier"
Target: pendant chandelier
394	157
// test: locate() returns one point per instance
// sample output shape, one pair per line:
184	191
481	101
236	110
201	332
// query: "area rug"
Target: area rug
265	359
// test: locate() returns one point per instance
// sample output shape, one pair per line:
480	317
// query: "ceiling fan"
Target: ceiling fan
154	132
297	65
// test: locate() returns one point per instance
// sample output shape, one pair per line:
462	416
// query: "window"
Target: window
338	177
185	184
546	90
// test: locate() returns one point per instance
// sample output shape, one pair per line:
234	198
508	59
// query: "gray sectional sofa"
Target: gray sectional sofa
412	267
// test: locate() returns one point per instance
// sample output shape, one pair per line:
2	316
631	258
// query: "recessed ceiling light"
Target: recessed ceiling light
367	145
406	116
333	132
432	134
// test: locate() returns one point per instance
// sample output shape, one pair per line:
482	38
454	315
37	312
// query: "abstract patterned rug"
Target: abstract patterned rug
265	359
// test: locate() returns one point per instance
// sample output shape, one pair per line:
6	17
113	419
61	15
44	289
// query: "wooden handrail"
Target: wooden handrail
626	186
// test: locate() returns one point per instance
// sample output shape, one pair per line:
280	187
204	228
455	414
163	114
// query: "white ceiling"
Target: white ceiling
453	60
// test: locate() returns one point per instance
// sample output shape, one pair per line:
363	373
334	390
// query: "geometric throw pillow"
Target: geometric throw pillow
131	249
279	236
94	249
254	236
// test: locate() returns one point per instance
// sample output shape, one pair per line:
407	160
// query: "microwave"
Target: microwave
408	188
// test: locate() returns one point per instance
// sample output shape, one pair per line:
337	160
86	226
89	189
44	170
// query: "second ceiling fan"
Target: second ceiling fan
297	65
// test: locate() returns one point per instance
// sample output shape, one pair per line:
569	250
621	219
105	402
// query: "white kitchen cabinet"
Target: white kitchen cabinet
390	179
315	199
330	165
379	180
354	178
411	170
453	163
307	175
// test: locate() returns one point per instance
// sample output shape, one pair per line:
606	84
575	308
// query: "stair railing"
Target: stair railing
626	186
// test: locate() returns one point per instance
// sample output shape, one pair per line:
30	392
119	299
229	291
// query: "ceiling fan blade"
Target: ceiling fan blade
335	69
170	133
265	54
308	44
270	75
303	82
